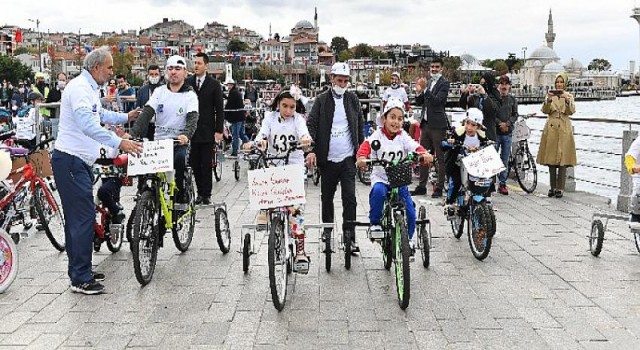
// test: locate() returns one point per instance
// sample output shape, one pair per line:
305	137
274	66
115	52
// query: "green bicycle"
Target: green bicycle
155	212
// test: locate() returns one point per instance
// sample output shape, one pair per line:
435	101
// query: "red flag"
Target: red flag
18	36
130	48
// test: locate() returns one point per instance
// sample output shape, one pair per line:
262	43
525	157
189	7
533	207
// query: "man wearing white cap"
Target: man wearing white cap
396	91
175	107
80	138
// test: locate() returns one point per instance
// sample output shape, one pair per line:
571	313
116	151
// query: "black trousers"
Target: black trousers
344	173
200	161
431	139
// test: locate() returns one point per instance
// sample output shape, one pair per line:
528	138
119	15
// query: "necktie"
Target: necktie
198	81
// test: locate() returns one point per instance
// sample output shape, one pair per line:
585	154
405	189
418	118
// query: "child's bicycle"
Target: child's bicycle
598	228
155	213
104	228
521	160
217	159
395	242
281	243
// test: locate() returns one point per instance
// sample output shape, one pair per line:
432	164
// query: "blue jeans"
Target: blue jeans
179	164
503	146
377	197
237	133
74	180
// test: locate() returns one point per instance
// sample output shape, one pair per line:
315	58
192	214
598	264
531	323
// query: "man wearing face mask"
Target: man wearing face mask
144	93
396	91
55	95
41	87
335	124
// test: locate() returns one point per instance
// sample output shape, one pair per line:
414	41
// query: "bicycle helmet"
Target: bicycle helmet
393	102
340	68
35	96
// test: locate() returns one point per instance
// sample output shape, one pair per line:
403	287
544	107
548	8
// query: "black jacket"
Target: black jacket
434	101
144	94
507	113
55	95
234	110
487	104
210	109
320	121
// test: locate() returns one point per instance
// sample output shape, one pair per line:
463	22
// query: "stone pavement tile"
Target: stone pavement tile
557	308
150	334
494	339
220	312
47	341
445	309
17	295
272	333
333	333
333	310
303	321
554	282
362	320
396	332
573	298
304	301
538	318
366	340
522	335
14	320
37	302
479	318
302	340
245	322
228	294
580	329
213	333
432	339
558	339
421	320
23	335
622	338
177	341
113	342
390	312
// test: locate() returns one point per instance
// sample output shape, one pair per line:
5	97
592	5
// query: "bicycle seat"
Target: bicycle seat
15	151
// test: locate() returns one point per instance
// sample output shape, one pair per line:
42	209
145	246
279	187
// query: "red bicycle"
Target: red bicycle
106	230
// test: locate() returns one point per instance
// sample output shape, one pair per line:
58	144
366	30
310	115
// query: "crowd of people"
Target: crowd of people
190	109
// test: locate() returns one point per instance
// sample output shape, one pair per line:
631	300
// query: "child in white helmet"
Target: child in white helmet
395	143
470	135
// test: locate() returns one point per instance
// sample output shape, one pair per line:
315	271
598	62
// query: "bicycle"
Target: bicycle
104	228
154	214
217	159
33	194
521	160
281	241
471	206
395	242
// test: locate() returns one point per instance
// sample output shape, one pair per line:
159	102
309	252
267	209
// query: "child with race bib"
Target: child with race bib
395	144
279	129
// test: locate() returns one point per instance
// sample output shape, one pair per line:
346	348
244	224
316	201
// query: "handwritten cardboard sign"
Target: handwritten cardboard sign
483	164
521	131
157	156
276	187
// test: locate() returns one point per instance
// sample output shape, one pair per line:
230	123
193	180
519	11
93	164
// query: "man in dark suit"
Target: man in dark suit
210	126
432	95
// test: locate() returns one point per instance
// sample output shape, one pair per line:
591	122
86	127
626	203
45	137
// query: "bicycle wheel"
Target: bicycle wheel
316	177
236	170
387	251
347	239
246	252
50	216
401	261
327	251
479	232
8	261
636	238
217	166
597	237
144	237
457	224
223	231
424	232
114	241
129	227
277	259
526	172
185	221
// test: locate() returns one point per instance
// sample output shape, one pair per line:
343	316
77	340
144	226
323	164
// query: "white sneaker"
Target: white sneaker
376	232
412	249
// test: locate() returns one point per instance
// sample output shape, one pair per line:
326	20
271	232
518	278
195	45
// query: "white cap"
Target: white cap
340	68
393	102
229	80
176	61
396	74
475	115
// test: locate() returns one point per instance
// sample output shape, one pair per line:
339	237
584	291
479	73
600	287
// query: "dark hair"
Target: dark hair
153	67
438	60
204	56
121	76
63	73
282	95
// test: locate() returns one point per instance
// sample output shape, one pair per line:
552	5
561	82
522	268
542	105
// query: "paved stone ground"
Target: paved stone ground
539	288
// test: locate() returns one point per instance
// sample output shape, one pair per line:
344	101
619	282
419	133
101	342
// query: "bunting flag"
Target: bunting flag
121	49
88	48
18	36
159	50
130	48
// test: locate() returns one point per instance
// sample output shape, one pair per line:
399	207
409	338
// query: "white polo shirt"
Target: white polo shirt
171	110
79	132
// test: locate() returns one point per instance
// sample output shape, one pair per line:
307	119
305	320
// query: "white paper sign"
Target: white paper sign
483	164
521	131
157	156
276	187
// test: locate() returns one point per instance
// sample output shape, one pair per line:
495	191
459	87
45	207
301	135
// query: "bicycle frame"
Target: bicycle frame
27	183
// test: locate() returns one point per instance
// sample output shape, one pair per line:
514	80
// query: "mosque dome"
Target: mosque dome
553	67
573	64
543	52
469	59
303	24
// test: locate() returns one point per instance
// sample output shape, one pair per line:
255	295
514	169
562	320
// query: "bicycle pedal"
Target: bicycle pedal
302	267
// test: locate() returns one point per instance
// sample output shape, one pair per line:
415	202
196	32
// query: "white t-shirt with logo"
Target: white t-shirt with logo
340	146
171	111
390	150
280	132
471	141
398	92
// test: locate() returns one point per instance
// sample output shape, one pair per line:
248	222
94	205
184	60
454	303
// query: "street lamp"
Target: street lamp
37	22
524	53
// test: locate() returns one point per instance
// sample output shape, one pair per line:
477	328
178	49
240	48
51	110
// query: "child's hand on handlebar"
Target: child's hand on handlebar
425	158
361	163
183	139
305	141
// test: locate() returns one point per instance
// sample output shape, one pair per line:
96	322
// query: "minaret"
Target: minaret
315	24
550	36
269	31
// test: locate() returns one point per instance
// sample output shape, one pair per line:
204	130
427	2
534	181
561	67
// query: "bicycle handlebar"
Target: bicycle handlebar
412	157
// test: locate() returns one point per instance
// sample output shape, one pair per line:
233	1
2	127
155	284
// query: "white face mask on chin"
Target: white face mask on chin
154	80
339	90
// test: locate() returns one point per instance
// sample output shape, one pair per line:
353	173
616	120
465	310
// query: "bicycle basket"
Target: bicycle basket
399	175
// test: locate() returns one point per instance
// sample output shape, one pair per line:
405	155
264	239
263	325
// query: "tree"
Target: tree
345	55
13	70
236	45
451	68
339	44
500	67
362	50
599	64
21	50
122	63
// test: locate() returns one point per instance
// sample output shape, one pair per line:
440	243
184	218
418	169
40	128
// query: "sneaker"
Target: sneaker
98	276
232	156
301	263
198	200
376	232
551	193
355	248
449	211
502	189
419	191
558	193
118	218
88	288
437	193
206	200
412	250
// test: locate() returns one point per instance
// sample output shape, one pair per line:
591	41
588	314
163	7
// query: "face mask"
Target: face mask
61	84
436	76
21	90
394	85
339	90
154	80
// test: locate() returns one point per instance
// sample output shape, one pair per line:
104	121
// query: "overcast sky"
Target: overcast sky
584	29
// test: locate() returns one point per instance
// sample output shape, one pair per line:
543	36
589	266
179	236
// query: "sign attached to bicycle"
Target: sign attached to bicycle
156	156
483	164
276	187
